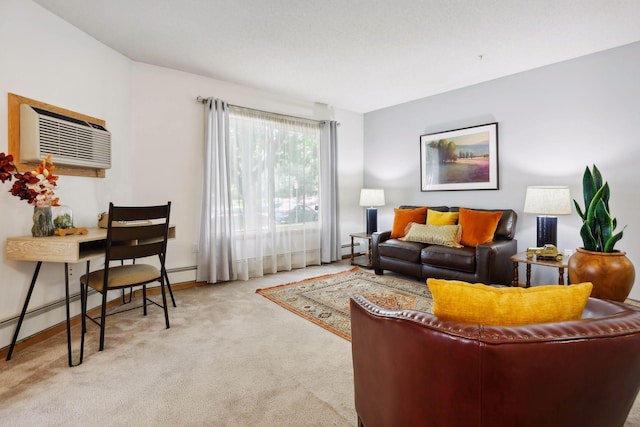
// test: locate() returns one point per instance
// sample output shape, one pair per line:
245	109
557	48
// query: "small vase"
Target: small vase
42	222
62	216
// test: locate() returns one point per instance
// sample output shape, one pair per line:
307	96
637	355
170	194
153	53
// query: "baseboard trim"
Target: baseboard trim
75	320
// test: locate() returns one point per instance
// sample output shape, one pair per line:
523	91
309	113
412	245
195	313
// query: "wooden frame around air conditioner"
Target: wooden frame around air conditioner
13	107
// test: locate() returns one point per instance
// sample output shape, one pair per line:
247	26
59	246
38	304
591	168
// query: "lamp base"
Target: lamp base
372	220
547	230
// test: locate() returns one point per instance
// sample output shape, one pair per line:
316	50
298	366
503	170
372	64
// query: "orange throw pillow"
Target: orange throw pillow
478	227
402	218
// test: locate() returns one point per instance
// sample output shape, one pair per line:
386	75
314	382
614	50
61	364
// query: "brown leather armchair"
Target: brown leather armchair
413	369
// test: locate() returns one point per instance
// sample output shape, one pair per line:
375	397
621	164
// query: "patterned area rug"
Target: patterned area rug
325	300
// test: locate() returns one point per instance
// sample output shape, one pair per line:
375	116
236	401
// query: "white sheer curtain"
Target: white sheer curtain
263	204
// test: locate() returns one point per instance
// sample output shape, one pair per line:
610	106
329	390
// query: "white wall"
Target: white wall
157	135
350	169
46	59
553	121
168	129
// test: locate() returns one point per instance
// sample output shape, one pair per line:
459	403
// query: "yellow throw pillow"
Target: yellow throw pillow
446	235
478	227
402	218
488	305
442	218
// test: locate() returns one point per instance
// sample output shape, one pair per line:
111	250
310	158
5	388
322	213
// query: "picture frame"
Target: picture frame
460	159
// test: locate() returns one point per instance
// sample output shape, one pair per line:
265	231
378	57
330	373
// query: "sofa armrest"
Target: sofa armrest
377	238
493	263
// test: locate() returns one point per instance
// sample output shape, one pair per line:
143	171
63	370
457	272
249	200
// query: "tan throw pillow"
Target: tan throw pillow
446	235
442	218
488	305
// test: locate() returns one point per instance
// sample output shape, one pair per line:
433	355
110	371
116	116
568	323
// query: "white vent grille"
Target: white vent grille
70	141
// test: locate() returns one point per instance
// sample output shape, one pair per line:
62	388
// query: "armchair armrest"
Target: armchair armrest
409	365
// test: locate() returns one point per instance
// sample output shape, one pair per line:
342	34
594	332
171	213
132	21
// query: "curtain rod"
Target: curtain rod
203	100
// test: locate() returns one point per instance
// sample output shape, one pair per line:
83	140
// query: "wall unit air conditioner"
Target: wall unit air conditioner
71	142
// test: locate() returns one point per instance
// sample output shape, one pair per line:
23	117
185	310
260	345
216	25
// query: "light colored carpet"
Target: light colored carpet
231	358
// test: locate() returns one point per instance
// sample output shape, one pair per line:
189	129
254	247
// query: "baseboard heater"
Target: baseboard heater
72	298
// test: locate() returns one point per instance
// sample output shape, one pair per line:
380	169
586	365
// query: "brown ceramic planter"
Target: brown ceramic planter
612	274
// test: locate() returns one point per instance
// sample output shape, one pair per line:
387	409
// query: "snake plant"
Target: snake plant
597	224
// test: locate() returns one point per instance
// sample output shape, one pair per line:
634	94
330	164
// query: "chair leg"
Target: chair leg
84	296
166	278
164	303
103	318
124	300
144	299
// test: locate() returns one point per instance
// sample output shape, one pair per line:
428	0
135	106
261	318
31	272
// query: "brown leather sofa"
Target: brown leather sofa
487	263
413	369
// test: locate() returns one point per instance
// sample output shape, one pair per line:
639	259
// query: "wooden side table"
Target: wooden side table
362	260
522	257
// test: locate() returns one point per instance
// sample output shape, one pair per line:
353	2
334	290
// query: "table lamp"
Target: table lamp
547	202
372	197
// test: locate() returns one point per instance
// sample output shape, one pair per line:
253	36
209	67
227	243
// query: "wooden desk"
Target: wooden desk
68	249
522	257
73	249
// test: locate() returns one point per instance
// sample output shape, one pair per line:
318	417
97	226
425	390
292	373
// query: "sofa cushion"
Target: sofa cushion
460	259
399	249
478	227
402	218
488	305
446	235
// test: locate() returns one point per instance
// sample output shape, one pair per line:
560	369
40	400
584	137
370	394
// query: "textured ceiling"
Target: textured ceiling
358	55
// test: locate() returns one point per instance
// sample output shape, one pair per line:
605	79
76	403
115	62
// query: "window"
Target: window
274	170
262	193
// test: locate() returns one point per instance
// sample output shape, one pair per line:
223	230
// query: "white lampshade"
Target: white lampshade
372	197
551	200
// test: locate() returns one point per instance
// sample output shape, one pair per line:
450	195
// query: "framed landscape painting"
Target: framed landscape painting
460	159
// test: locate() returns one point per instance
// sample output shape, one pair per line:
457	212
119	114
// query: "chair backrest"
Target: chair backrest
137	232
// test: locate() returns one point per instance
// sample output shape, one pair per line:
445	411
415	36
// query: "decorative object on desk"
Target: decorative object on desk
42	222
62	217
460	159
103	220
372	197
547	202
610	271
7	167
68	231
36	187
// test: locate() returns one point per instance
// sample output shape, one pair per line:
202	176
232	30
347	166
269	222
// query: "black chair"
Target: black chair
133	233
